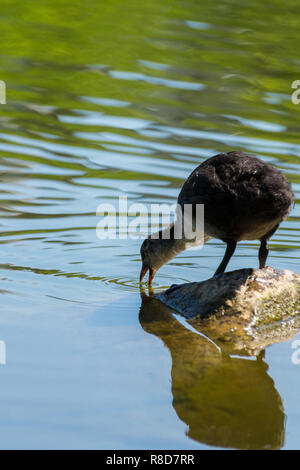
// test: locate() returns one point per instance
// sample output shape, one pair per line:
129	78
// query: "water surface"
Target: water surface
126	98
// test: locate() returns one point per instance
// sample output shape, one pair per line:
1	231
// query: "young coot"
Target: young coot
244	199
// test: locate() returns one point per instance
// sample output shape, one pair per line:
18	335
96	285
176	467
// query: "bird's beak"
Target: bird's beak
144	270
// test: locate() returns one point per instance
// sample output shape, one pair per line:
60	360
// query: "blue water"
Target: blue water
127	99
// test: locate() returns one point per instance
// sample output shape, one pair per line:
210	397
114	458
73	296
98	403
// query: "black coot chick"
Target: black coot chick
244	199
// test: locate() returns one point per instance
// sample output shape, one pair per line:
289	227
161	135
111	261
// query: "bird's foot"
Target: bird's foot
172	288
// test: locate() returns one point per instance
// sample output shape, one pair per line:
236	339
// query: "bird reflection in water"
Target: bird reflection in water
225	401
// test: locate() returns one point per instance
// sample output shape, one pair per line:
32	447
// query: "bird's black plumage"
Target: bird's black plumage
244	198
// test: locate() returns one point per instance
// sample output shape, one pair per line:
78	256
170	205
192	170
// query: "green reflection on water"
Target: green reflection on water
128	97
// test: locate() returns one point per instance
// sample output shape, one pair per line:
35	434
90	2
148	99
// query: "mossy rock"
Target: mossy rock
243	310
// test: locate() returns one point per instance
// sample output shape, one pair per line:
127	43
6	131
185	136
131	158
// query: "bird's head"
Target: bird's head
151	258
158	249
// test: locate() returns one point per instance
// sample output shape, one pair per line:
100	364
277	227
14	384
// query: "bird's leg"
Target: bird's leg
263	250
263	253
231	246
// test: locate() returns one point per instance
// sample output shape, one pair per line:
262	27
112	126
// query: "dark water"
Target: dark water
126	98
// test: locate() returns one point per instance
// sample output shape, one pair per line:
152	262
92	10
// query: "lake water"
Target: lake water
109	99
